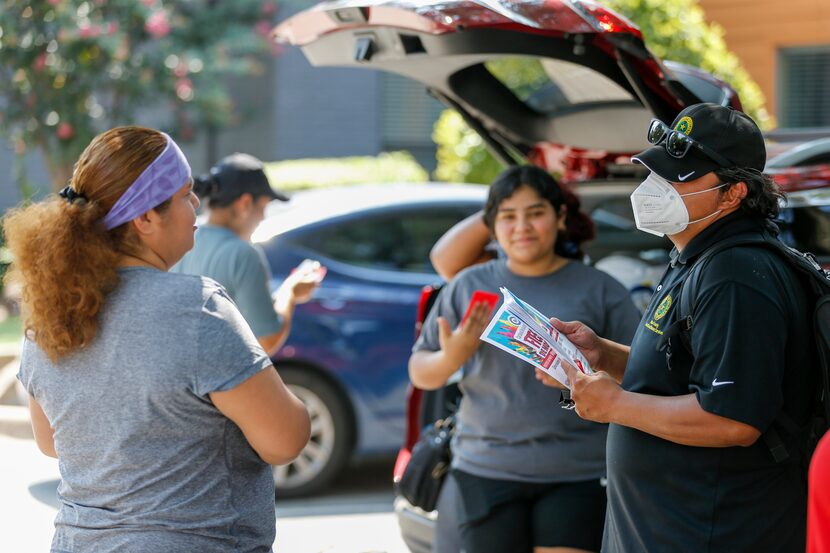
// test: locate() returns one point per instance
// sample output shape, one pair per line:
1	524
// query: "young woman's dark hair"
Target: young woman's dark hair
578	226
763	197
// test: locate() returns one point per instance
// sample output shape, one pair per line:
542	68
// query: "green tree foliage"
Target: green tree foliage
70	69
677	30
673	29
301	174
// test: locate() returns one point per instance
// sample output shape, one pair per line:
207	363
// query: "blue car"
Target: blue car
347	353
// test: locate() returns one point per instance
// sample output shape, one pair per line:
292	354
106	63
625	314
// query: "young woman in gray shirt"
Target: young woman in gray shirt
529	474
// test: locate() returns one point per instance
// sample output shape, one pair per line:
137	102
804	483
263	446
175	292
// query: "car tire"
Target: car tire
332	435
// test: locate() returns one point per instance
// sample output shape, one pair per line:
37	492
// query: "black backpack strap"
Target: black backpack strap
822	331
684	320
689	286
819	282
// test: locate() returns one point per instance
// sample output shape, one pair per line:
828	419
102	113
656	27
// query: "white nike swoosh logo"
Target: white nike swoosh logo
684	177
721	383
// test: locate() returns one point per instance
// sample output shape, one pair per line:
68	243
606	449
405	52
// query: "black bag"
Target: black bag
421	481
817	281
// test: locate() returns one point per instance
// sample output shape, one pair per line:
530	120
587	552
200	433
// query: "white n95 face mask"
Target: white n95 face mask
659	208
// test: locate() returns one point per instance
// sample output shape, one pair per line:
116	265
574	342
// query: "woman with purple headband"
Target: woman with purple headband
148	387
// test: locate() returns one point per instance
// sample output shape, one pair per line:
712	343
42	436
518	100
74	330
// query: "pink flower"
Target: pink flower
263	28
112	27
89	31
157	25
180	70
65	131
184	89
54	2
40	62
148	3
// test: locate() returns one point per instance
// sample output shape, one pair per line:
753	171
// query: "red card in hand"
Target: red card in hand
480	296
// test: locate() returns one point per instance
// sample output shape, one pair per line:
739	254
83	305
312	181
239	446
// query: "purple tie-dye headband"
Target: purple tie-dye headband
159	181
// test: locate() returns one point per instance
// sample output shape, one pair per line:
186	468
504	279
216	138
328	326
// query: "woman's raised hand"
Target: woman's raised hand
460	344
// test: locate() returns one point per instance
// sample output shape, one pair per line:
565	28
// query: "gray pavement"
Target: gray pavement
354	517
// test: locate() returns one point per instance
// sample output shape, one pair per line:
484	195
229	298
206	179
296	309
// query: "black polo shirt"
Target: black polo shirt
752	357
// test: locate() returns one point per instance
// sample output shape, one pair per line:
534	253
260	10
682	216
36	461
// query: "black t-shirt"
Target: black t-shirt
752	357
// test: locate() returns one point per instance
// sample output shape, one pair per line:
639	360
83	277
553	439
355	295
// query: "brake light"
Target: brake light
400	464
423	301
792	179
602	19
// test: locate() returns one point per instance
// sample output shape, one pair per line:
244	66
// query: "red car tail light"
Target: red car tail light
602	19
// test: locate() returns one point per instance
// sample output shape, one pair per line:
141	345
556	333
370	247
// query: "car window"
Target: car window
549	86
617	233
397	240
807	228
817	159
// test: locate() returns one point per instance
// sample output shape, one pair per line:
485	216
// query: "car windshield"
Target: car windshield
549	85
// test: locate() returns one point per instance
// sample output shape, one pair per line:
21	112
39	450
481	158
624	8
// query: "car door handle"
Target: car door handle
332	305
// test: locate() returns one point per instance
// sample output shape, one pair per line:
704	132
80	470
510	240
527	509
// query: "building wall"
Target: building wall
757	29
323	111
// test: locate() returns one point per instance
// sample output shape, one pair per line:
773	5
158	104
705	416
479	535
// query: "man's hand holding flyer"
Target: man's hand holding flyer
519	329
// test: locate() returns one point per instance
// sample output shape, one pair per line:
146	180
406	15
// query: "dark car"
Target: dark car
347	353
593	89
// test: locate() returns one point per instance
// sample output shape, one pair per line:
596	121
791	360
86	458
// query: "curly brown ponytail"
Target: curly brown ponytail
63	257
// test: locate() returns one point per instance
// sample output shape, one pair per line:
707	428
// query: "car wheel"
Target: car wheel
332	433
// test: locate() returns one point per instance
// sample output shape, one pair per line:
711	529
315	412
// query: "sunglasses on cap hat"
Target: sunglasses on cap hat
678	144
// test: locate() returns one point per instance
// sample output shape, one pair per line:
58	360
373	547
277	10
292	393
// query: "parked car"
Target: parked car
347	353
595	88
804	223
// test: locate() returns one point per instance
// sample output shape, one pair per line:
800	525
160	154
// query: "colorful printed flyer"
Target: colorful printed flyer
521	330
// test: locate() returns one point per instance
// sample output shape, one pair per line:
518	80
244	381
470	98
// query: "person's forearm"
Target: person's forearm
273	342
614	358
680	419
284	305
430	370
461	246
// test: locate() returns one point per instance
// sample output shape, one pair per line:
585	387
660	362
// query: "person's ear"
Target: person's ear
243	203
733	196
146	223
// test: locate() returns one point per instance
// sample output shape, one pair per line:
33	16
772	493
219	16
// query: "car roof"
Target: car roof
313	206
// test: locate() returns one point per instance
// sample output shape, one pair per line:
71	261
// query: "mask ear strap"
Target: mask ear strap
707	190
704	218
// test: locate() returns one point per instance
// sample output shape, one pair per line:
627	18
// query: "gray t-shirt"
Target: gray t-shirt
147	462
510	426
241	268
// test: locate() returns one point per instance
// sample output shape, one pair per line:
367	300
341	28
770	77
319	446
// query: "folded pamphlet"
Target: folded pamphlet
521	330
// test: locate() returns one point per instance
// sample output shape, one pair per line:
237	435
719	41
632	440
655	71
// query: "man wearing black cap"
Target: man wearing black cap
237	192
690	467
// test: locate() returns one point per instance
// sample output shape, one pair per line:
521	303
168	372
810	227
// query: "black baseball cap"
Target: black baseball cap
233	176
730	133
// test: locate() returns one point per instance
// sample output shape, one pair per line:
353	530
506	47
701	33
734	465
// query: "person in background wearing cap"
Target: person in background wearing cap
148	387
689	466
237	192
